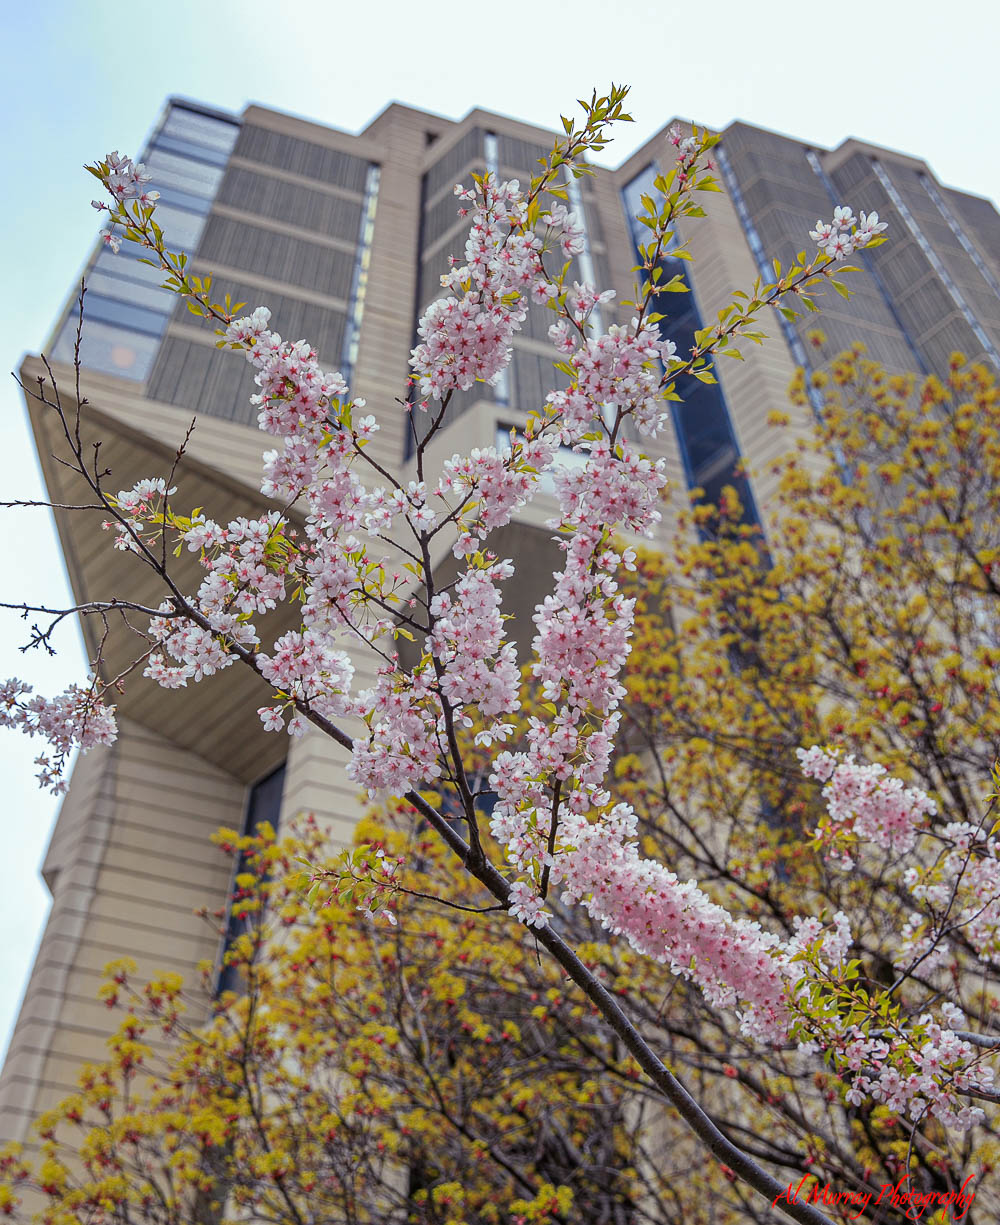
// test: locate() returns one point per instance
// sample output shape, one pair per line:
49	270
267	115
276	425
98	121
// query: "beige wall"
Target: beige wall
129	862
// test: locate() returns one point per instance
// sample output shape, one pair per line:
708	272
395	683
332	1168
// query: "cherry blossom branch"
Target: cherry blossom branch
90	606
983	1040
53	505
672	1090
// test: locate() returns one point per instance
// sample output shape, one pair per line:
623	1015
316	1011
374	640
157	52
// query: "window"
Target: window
177	170
126	312
704	429
207	131
359	273
263	805
110	350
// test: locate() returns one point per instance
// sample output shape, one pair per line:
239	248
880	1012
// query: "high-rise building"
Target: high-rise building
344	238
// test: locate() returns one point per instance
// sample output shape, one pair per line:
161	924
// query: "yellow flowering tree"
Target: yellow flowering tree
867	621
435	1071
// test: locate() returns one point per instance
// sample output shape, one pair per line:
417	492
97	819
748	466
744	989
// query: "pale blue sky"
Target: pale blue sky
81	78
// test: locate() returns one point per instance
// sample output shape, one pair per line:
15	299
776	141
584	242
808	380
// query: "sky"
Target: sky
81	79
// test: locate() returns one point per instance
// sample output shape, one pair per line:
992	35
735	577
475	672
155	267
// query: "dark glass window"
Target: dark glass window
263	805
704	428
705	435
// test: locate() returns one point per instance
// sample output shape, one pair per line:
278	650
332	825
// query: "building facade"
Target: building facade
344	238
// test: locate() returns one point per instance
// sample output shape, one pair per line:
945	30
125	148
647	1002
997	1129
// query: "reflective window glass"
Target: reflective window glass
181	229
182	199
126	309
702	423
124	314
263	805
130	291
181	172
715	485
127	264
186	148
111	350
632	193
201	129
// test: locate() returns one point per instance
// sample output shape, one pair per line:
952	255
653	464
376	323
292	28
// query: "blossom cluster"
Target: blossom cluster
74	719
502	485
935	1067
733	961
125	180
958	890
139	505
865	804
613	371
846	233
468	637
569	226
466	339
240	581
926	1069
867	807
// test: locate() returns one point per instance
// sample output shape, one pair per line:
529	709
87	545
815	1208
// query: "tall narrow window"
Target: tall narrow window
955	226
359	276
125	310
934	260
263	805
705	435
812	157
491	151
756	246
